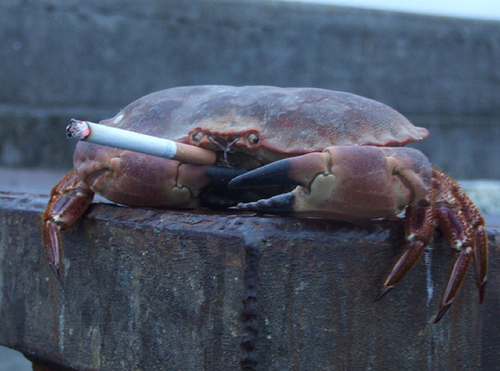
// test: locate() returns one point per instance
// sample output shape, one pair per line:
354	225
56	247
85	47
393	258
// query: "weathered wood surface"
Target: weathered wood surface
154	289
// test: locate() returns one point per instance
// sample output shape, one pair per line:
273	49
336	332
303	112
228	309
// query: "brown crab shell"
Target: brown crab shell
289	121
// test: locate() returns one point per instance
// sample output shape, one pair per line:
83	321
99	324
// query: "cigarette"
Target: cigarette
129	140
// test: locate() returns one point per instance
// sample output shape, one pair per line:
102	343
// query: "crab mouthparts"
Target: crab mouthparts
224	144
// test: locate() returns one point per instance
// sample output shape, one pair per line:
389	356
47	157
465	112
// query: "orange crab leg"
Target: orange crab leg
418	231
69	199
463	227
456	279
473	218
481	260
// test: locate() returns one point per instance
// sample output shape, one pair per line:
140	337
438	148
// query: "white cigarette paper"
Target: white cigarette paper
137	142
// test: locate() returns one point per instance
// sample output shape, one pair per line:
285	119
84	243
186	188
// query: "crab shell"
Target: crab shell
263	124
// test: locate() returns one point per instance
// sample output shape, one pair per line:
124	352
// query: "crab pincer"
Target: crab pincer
343	182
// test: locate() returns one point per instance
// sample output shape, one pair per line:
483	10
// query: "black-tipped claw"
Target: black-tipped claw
275	173
56	271
383	293
482	289
279	205
220	176
442	312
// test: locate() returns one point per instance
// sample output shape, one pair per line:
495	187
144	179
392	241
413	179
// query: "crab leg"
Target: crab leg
69	199
463	227
457	276
468	215
419	225
481	260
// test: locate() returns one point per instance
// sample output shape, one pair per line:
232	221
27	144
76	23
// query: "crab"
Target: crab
291	151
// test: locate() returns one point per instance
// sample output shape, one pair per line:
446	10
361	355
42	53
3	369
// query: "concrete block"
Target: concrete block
155	289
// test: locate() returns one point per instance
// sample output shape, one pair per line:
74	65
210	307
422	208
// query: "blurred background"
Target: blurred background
481	9
437	62
63	59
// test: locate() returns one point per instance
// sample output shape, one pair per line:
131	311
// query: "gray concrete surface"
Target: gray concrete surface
194	290
62	59
33	181
10	360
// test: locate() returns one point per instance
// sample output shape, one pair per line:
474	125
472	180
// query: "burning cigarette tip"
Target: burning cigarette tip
77	129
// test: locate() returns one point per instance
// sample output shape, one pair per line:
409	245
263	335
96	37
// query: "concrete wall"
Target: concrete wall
66	58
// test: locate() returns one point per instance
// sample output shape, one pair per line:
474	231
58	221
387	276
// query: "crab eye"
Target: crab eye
196	136
253	138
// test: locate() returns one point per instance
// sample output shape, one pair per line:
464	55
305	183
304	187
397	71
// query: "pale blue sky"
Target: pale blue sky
484	9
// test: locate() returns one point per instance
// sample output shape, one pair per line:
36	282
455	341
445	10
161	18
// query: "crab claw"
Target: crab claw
343	182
